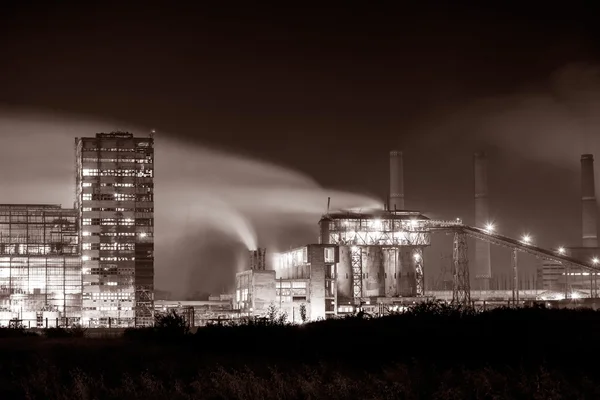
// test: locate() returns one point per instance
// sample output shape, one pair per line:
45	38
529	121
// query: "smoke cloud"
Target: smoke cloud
210	206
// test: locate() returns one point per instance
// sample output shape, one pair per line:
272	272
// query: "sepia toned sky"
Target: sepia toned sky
262	113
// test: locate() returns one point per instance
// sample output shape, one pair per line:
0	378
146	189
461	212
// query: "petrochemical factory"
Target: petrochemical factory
374	262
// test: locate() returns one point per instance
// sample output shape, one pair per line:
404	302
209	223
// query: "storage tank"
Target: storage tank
390	262
406	279
373	278
344	273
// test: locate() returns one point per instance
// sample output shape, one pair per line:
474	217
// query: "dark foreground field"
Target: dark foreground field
430	353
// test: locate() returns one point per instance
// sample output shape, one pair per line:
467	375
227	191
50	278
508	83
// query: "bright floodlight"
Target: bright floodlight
561	250
595	260
526	239
417	256
489	227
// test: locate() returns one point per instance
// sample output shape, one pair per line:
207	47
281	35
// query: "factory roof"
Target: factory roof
383	214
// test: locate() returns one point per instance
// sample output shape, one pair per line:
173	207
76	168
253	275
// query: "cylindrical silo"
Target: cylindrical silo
344	274
373	283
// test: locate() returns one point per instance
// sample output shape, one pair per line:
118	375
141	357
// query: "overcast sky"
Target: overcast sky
306	99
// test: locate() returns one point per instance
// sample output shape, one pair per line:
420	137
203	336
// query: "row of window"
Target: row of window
119	184
144	173
107	308
143	145
117	197
120	209
109	246
108	221
147	160
88	258
114	234
108	295
118	221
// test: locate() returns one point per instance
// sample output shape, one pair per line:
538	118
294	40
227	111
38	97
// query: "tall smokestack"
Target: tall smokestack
483	266
588	202
257	259
396	181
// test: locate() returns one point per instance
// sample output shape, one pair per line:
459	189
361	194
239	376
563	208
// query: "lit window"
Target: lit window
86	184
90	172
87	208
87	196
329	254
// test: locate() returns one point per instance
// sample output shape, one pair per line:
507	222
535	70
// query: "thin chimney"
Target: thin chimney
396	181
483	265
589	208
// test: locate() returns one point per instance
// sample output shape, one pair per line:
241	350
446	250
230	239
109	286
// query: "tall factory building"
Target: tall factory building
40	266
115	198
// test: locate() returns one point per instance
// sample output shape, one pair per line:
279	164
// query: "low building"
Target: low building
199	313
254	292
40	265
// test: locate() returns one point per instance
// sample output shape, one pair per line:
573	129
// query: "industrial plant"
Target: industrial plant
94	264
374	262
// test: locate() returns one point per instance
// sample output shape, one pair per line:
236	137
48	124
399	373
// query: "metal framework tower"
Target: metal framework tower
144	305
461	289
356	262
515	285
419	274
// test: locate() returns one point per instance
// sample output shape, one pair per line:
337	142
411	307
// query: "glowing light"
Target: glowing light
143	234
413	223
85	258
354	248
489	227
377	224
417	256
561	250
595	260
526	238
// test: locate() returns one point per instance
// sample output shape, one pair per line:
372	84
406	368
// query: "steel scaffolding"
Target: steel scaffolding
461	290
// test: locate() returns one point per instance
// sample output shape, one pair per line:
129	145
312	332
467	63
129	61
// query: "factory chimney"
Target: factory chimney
483	266
257	259
588	202
396	181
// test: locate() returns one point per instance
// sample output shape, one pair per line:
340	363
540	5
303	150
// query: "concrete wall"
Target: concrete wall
406	280
391	269
373	272
262	290
316	308
344	273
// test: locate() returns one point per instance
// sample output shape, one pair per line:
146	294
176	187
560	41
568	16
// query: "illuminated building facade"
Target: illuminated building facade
40	266
115	199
